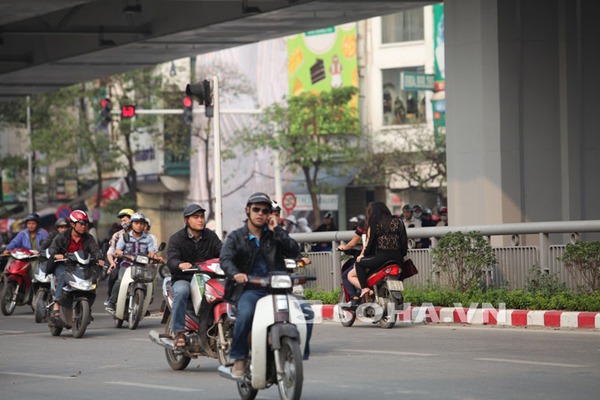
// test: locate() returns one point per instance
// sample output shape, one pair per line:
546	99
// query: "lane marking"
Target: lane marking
37	375
148	386
549	364
396	353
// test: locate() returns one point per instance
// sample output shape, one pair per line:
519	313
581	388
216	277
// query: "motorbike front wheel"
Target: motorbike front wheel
81	317
291	376
40	302
246	391
135	308
176	360
9	297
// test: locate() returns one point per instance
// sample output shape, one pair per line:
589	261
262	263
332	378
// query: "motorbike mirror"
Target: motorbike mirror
162	246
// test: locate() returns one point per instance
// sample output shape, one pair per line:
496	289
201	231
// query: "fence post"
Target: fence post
544	251
335	257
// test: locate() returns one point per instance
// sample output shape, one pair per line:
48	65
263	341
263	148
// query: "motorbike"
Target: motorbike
387	288
136	289
208	320
278	339
42	296
17	289
78	295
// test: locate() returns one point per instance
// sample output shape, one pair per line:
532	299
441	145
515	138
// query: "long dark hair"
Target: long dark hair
377	212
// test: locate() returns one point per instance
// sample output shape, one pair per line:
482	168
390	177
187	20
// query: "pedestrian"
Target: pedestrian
328	225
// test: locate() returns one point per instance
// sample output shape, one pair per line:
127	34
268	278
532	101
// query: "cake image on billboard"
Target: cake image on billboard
317	71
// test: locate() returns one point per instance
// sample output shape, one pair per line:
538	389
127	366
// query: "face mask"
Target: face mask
418	215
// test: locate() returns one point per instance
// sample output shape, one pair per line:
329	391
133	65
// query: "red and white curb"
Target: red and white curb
488	316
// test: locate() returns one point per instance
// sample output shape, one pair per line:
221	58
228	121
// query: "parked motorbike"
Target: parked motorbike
278	339
17	289
387	298
136	288
42	296
208	321
77	296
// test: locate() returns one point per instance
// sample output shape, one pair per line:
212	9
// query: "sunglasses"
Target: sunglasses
265	211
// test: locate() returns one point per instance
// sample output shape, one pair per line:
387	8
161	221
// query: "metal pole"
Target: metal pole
277	166
29	159
217	159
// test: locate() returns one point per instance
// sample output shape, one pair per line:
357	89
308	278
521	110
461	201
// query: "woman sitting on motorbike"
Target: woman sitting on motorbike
386	240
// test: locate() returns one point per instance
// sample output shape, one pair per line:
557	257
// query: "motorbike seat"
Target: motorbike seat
392	262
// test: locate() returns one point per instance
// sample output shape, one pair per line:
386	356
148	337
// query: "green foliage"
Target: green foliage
461	259
538	281
324	296
582	261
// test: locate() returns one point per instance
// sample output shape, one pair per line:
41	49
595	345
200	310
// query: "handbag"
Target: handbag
408	269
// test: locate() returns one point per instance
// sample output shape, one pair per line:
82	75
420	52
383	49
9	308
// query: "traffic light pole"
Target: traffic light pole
217	158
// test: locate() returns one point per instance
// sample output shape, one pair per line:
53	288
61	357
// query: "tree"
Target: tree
412	155
313	133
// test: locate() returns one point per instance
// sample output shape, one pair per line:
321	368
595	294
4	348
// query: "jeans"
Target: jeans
350	289
246	306
181	292
59	273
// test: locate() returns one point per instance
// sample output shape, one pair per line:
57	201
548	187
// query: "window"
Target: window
405	26
401	107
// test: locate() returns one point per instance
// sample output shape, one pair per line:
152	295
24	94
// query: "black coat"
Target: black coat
60	245
182	249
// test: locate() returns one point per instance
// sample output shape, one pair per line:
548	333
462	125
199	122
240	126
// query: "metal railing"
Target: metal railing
513	262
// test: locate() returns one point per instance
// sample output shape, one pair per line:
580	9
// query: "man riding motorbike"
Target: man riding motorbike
125	217
74	239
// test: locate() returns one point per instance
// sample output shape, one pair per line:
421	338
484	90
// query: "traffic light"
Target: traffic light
127	111
105	117
202	92
188	117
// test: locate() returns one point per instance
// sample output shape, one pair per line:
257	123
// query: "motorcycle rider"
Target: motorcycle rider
139	243
73	239
60	226
125	217
31	237
256	248
194	243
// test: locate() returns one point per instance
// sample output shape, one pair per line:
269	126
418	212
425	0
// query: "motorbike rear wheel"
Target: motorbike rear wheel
387	320
81	317
135	308
292	375
176	360
346	317
40	302
9	297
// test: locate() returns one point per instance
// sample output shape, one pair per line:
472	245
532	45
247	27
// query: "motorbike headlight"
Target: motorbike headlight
83	285
281	281
142	259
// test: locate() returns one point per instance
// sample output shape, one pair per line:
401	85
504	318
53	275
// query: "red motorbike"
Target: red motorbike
387	298
208	320
17	289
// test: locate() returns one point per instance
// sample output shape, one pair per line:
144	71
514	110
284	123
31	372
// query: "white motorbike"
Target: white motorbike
278	339
136	289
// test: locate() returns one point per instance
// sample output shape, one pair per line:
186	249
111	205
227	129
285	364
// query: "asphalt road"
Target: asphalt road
362	362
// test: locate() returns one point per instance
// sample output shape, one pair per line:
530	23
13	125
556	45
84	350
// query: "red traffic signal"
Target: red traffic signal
187	102
105	103
127	111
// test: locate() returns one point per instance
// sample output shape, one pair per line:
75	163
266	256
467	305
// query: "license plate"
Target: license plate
395	286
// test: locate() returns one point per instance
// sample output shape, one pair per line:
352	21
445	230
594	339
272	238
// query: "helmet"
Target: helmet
32	217
361	218
329	214
444	210
258	197
125	212
417	206
275	206
138	217
79	216
148	222
353	219
61	222
192	209
407	207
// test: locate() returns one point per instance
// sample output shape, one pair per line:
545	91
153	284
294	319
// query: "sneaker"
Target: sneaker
107	302
238	369
110	307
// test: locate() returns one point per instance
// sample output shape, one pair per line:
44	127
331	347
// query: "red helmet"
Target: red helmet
79	216
444	210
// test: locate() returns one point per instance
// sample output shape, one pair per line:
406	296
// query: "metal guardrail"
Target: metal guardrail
512	262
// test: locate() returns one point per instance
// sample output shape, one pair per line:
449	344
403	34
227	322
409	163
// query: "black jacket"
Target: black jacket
60	245
48	241
238	252
182	248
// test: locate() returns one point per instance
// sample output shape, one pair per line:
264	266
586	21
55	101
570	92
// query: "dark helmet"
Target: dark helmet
275	206
417	206
192	209
138	217
258	197
407	207
79	216
329	214
61	222
32	217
